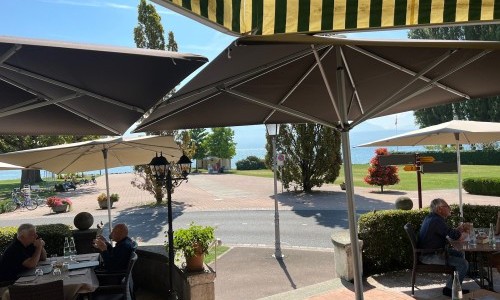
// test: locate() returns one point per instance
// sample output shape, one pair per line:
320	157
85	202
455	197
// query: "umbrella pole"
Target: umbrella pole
459	169
353	227
105	155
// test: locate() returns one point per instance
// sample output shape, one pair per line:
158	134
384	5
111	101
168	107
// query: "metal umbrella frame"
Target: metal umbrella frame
96	154
456	132
335	82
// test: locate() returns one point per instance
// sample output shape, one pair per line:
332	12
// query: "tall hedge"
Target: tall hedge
386	246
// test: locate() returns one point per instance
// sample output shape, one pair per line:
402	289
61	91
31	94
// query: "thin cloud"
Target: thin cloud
90	4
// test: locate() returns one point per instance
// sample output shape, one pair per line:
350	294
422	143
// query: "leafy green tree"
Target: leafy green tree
220	143
483	109
10	143
198	136
149	32
172	44
312	155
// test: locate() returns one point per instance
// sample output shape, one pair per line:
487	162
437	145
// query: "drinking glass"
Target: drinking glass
56	272
38	272
65	269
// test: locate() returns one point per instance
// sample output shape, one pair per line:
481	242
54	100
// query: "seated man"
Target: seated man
433	235
116	258
24	253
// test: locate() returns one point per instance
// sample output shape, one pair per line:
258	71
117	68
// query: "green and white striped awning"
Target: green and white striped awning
265	17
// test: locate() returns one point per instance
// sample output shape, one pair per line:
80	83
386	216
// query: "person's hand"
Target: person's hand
100	244
39	243
100	237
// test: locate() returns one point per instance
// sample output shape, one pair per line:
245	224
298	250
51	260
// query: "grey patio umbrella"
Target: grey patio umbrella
454	132
88	156
335	82
49	87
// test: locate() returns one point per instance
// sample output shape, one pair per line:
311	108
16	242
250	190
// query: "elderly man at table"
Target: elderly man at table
24	253
433	235
116	258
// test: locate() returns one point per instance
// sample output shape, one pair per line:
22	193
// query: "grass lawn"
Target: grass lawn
211	255
408	180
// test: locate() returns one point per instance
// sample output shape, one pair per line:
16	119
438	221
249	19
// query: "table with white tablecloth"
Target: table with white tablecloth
76	281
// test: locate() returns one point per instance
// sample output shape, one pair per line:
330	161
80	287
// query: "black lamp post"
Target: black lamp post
170	175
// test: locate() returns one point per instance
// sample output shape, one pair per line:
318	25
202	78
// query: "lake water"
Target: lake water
359	156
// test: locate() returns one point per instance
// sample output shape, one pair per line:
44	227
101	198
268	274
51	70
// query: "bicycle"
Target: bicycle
20	199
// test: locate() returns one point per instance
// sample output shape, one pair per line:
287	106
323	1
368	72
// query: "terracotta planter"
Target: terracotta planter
60	208
104	204
195	263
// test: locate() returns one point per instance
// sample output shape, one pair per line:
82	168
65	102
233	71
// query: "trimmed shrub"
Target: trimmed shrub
52	234
386	246
404	203
250	163
482	186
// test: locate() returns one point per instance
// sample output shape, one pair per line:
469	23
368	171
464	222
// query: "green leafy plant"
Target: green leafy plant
103	198
187	239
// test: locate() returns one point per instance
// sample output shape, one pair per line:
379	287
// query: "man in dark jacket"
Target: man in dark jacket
24	253
433	235
116	258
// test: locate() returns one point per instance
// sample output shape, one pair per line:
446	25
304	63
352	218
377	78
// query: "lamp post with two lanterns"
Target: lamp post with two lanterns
170	175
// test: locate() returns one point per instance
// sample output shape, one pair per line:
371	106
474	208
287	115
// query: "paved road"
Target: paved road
305	228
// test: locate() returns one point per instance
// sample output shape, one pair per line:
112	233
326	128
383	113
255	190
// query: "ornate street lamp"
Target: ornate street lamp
272	131
170	175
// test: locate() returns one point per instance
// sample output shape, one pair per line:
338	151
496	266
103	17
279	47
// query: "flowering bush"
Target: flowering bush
381	175
57	201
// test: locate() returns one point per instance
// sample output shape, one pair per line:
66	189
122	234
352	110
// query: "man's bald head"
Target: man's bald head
119	232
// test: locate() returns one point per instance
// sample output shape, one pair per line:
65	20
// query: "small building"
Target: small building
214	164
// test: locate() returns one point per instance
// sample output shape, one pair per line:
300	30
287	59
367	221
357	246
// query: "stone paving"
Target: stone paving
214	192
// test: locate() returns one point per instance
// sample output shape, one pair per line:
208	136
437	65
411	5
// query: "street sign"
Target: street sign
410	168
426	159
280	159
440	168
396	159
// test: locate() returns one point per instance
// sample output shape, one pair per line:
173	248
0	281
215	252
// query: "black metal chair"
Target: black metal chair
120	283
50	290
421	267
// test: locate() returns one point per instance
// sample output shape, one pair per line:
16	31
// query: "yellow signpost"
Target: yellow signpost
410	168
426	159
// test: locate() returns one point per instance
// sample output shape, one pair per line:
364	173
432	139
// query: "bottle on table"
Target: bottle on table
456	288
66	250
491	235
72	248
472	235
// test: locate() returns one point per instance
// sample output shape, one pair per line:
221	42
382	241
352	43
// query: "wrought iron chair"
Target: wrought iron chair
50	290
421	267
123	287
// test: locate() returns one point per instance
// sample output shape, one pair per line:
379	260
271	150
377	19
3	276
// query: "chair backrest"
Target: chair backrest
52	290
411	235
133	259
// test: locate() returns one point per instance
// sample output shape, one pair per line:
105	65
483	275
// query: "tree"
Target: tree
10	143
149	34
312	154
198	136
220	143
381	175
483	109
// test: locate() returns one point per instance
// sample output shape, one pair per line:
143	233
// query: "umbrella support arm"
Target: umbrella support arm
171	258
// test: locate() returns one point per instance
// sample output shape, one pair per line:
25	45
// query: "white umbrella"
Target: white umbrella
453	132
87	156
6	166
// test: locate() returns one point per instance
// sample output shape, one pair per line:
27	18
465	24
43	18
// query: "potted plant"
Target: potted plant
58	204
194	243
102	200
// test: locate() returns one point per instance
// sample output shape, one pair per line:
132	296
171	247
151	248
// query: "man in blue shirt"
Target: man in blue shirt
433	235
24	253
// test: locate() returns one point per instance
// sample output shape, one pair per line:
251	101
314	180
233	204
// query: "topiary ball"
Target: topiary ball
83	220
404	203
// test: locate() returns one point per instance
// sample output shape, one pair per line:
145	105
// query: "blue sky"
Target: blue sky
111	22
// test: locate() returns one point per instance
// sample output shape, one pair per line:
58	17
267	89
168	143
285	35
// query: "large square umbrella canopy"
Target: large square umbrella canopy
454	132
335	82
52	88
